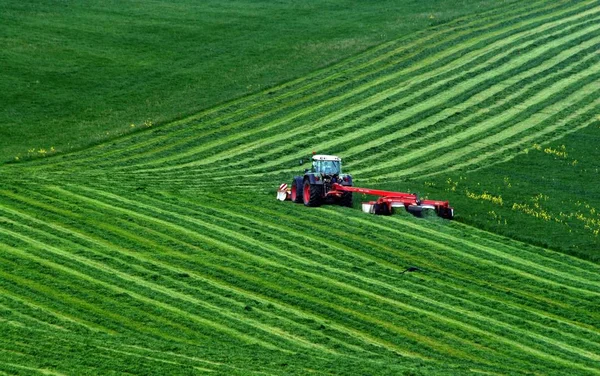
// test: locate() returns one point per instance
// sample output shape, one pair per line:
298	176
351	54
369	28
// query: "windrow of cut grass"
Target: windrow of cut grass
183	267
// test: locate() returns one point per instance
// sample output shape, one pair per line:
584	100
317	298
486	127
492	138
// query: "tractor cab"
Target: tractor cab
326	165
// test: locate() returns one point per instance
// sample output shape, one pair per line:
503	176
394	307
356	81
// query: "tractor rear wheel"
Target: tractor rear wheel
346	199
312	194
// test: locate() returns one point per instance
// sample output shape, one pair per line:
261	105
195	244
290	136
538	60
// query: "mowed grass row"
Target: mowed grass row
199	265
331	110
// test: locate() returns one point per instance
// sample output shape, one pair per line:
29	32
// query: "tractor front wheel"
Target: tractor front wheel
297	191
312	194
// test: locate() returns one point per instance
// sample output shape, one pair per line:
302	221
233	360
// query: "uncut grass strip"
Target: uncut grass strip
564	347
451	151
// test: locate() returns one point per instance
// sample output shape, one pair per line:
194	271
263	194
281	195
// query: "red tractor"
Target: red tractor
325	183
314	186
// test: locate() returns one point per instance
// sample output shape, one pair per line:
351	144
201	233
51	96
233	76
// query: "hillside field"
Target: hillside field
164	251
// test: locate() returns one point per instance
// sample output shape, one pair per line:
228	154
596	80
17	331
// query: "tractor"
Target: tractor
325	183
313	188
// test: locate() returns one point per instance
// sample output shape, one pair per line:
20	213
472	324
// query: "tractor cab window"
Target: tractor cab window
327	167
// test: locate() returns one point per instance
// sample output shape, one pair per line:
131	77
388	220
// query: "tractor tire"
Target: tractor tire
346	199
382	209
297	187
312	194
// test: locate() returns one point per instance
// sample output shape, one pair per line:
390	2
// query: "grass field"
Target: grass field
163	251
79	72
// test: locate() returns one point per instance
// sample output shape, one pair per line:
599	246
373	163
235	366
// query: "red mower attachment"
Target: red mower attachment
284	193
389	200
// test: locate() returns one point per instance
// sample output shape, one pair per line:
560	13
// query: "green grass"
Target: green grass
163	251
549	190
77	73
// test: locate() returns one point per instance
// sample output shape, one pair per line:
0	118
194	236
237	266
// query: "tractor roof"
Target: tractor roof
322	157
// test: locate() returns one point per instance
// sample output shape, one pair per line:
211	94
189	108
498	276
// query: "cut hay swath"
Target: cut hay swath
143	255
